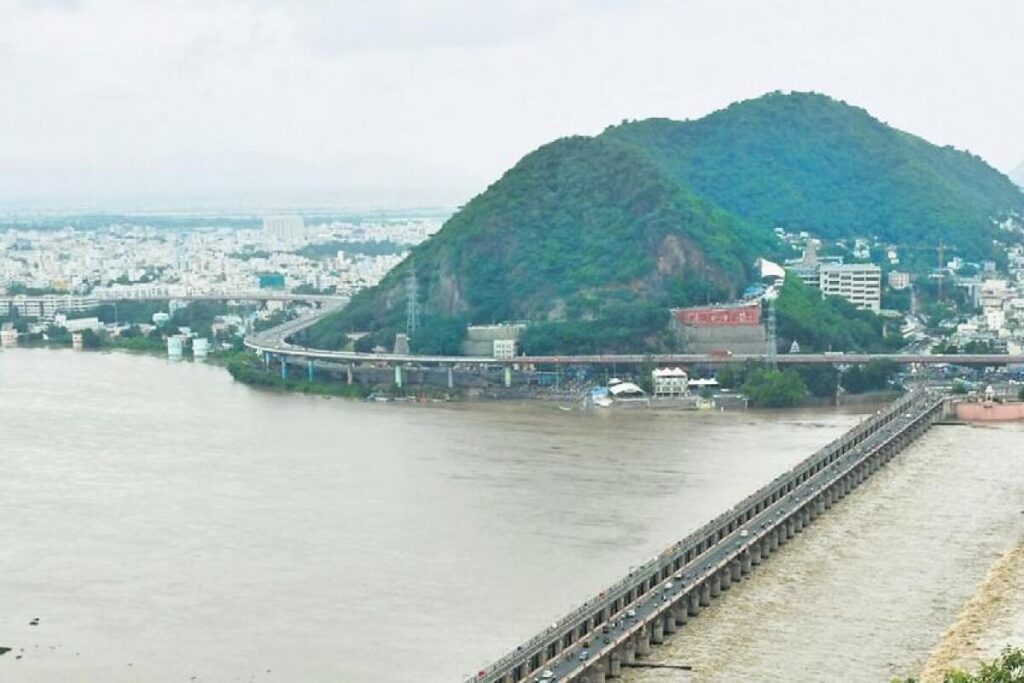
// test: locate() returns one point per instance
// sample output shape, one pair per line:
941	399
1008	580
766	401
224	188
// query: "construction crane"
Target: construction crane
940	250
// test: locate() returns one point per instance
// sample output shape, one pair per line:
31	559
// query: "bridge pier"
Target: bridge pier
614	665
682	612
643	642
716	585
398	376
451	378
745	562
755	554
266	360
693	600
657	631
773	543
284	368
726	578
508	375
735	571
798	522
310	371
629	652
705	594
595	674
670	622
348	373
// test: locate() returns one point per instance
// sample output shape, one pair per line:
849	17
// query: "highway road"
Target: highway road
275	341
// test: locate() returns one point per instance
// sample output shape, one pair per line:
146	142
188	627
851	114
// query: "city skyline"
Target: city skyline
117	105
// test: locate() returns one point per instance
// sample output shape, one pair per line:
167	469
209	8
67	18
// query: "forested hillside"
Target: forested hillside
804	161
595	236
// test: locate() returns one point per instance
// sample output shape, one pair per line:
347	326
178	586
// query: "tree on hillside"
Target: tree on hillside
774	388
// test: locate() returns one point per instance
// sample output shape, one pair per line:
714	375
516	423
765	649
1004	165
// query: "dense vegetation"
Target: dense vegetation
774	388
331	249
663	213
1008	667
804	161
829	324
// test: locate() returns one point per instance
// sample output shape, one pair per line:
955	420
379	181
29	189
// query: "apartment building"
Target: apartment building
858	283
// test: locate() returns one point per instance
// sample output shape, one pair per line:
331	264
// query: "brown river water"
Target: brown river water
164	523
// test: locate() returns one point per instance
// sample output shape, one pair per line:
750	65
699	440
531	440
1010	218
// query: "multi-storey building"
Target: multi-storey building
858	283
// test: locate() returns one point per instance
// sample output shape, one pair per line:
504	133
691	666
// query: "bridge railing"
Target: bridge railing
619	589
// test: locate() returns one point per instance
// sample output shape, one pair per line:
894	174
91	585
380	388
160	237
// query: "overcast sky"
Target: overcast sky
129	103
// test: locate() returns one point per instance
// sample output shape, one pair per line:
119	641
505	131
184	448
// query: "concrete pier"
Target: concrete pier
670	622
643	643
614	665
693	608
657	632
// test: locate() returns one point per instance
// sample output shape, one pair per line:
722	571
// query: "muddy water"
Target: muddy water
921	567
167	524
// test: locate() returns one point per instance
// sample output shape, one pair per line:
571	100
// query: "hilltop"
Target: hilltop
609	231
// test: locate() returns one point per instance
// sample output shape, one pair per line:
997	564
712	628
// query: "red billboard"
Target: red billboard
710	316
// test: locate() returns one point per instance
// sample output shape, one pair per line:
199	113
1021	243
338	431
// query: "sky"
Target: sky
134	104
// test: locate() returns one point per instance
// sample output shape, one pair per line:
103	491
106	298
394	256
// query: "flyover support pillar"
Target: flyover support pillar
284	367
309	367
348	373
451	378
508	375
398	376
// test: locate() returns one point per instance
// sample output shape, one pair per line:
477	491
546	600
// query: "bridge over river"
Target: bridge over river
276	343
594	641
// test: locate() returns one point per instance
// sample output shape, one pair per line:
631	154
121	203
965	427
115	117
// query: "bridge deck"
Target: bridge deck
601	625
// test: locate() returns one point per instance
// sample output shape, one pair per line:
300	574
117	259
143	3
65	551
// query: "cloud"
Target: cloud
102	96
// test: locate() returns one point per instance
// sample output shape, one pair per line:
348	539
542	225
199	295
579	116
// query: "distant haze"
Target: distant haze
1017	175
134	104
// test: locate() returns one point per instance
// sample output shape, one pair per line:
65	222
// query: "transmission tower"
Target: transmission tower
412	310
773	342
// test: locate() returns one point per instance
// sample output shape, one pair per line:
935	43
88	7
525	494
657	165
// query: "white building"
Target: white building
670	382
858	283
899	279
284	228
504	349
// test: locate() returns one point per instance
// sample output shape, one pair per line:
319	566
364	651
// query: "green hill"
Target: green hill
607	232
804	161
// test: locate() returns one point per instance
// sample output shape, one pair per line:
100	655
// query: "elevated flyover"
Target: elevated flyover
593	641
276	341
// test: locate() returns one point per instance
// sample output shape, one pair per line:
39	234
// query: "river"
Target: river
164	523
